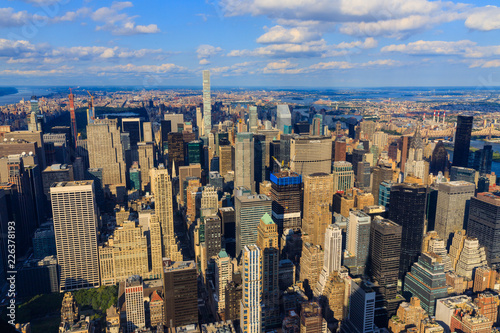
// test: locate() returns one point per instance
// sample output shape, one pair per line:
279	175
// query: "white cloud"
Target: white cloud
10	18
9	48
35	72
282	67
307	49
357	17
72	16
138	69
207	51
279	34
464	48
484	19
119	23
332	65
368	43
485	63
204	62
431	47
236	69
398	27
22	51
42	2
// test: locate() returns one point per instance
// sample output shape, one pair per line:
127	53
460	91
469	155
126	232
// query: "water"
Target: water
24	92
495	166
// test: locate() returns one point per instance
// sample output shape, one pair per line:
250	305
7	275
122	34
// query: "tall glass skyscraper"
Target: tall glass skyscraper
207	103
407	208
462	141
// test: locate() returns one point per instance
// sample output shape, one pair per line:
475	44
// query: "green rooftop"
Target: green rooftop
223	254
267	219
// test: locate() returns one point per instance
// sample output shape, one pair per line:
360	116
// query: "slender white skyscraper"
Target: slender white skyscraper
332	257
250	309
253	120
207	103
333	248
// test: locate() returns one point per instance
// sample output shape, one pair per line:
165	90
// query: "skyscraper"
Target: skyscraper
223	274
407	208
311	154
133	127
161	186
180	285
207	103
175	149
134	300
267	241
462	141
250	309
259	158
383	172
361	317
452	203
286	194
343	176
124	254
146	152
333	248
358	242
75	224
253	119
244	161
385	250
284	119
427	281
318	197
439	159
249	210
106	150
332	256
484	224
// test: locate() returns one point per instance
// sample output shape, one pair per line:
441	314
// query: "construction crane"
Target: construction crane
91	109
73	117
280	165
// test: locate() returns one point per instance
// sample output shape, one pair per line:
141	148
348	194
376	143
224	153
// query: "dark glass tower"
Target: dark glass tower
484	224
385	252
407	208
439	159
175	149
462	141
195	152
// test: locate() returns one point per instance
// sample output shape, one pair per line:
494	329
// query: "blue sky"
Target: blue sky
273	43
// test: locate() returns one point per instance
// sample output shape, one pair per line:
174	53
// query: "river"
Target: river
495	166
24	92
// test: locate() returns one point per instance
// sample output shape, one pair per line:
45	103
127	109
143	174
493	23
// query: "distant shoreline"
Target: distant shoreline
4	91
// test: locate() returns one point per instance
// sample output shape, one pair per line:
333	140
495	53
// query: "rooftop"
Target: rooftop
169	266
267	219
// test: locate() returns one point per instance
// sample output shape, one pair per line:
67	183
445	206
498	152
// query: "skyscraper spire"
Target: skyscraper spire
417	142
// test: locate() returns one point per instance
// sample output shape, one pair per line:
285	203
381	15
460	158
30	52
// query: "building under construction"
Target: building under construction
286	193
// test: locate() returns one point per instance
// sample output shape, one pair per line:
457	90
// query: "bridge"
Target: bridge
488	132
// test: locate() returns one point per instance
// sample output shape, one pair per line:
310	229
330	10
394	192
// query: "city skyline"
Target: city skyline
308	44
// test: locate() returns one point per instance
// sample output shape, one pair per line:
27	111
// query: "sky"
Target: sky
250	43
